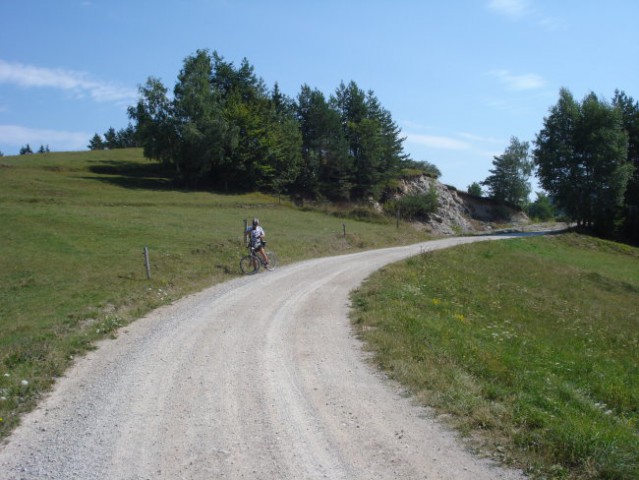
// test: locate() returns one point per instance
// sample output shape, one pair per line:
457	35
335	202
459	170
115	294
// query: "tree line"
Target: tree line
26	150
123	138
586	158
223	127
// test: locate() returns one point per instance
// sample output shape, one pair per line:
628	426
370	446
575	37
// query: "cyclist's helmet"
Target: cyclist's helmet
256	222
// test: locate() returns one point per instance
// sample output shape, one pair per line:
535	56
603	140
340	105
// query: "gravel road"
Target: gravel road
257	378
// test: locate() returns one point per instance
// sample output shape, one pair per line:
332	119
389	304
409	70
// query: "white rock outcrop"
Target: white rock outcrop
459	212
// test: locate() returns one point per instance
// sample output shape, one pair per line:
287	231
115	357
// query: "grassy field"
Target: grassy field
529	347
74	228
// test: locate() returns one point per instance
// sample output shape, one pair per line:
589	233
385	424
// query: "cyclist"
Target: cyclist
256	235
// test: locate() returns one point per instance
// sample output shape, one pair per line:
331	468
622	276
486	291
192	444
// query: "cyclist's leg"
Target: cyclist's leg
262	252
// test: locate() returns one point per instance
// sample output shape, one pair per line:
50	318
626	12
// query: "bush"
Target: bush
414	207
414	168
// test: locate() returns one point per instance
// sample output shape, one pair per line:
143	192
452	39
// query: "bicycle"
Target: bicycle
252	262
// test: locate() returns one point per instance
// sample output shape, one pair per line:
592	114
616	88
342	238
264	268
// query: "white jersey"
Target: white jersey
256	235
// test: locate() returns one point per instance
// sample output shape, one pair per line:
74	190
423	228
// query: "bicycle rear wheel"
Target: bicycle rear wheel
272	260
249	264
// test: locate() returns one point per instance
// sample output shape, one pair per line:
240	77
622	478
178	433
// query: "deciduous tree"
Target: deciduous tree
581	156
510	177
629	109
156	125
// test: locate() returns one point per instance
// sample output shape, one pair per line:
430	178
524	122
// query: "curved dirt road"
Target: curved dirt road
257	378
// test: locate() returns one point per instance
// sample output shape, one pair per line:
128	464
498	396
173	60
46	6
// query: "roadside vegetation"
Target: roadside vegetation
529	347
74	228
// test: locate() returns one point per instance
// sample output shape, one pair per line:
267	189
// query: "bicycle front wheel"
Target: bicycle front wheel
249	264
272	260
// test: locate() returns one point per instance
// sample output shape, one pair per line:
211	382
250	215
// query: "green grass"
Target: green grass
530	347
74	226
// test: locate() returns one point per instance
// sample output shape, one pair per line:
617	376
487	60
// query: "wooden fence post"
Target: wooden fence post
147	263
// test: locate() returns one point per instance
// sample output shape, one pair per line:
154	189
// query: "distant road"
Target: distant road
256	378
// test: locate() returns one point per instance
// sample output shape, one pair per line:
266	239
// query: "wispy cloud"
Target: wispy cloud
18	136
527	81
513	9
438	142
78	83
516	10
481	139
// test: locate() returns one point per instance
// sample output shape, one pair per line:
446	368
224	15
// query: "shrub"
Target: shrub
414	207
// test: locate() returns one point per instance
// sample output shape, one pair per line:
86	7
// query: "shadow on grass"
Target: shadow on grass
148	176
133	175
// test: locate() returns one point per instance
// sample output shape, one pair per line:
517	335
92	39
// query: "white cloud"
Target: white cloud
513	9
520	9
478	138
528	81
18	136
438	142
414	125
78	83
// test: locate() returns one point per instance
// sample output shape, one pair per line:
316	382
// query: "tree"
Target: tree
111	139
96	143
284	153
581	159
629	109
203	131
475	189
390	148
542	208
223	127
509	179
126	137
375	149
44	149
156	124
26	150
325	169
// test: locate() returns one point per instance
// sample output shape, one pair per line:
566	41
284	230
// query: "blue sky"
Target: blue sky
460	77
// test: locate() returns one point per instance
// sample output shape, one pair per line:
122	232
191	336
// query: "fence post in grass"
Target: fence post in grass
344	228
147	263
397	218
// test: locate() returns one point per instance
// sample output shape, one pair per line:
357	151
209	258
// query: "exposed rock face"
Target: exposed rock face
460	212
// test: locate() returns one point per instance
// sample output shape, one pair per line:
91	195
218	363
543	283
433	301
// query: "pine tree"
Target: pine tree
475	189
26	150
96	143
